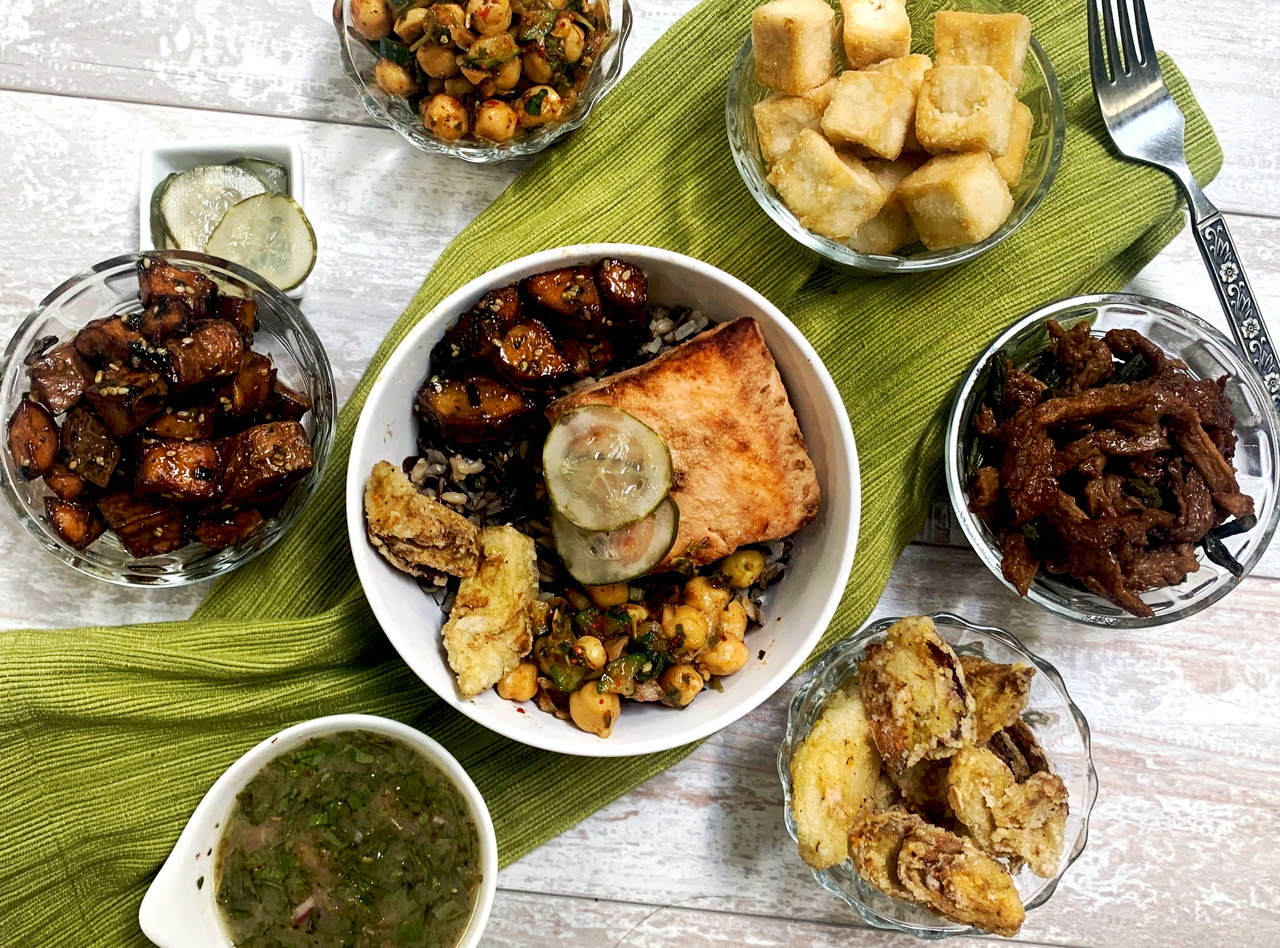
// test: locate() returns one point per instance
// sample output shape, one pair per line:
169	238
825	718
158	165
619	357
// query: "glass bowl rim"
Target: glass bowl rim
1242	369
473	152
127	574
857	641
889	263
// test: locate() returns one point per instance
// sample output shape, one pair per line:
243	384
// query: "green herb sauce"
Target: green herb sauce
353	840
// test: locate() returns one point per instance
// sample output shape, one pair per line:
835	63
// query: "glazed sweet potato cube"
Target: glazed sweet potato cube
210	351
158	279
241	313
144	527
965	108
998	40
181	471
65	483
792	41
780	118
474	337
78	524
181	424
875	30
110	341
126	399
285	403
624	291
59	377
248	391
830	194
570	293
870	109
228	529
473	410
587	355
1012	163
88	449
166	317
264	461
33	439
956	200
529	357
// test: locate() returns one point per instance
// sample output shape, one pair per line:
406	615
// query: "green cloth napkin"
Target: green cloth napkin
111	735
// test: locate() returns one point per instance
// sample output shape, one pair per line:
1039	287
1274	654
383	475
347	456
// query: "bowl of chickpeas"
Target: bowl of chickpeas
482	80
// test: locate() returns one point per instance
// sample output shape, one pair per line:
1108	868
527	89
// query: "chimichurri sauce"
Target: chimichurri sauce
353	840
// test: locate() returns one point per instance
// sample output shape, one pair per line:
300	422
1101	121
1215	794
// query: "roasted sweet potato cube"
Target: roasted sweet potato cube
59	377
570	293
264	461
144	527
529	357
182	471
228	529
66	483
624	291
241	313
33	439
110	340
158	279
88	449
210	351
166	317
248	391
285	403
181	424
475	336
78	524
126	399
589	355
472	410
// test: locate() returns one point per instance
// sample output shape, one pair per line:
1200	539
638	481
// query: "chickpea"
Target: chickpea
609	597
728	656
537	67
372	18
496	121
458	87
680	685
733	620
487	17
572	40
595	713
701	593
686	628
439	62
591	649
519	684
507	76
540	105
445	22
445	117
394	79
742	568
637	612
411	26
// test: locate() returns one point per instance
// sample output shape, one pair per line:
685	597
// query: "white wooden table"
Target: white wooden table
1183	850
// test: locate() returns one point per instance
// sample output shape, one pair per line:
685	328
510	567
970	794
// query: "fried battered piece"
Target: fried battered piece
951	876
835	775
1018	748
491	626
914	690
875	846
923	788
413	532
999	693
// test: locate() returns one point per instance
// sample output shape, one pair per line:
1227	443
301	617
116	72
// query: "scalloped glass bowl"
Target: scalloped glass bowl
1053	716
1208	354
1039	91
109	288
359	58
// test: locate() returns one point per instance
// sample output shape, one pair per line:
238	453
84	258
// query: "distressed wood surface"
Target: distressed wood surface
1182	848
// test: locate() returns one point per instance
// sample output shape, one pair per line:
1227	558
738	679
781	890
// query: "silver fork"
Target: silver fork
1146	125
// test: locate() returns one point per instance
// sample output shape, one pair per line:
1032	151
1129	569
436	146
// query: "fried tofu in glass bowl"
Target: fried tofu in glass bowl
937	776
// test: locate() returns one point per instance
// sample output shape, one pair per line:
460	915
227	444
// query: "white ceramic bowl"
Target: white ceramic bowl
797	610
180	909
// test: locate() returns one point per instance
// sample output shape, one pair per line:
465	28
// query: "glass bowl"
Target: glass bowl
1208	354
359	57
1039	91
1052	716
110	288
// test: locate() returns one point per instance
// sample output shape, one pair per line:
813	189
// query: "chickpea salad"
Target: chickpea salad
557	525
486	71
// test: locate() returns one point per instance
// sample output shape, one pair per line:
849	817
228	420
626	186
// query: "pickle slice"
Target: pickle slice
269	234
193	203
601	557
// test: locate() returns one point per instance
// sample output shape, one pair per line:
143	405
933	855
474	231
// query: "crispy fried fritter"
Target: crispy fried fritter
413	532
999	692
914	691
835	773
875	846
951	876
923	788
1017	746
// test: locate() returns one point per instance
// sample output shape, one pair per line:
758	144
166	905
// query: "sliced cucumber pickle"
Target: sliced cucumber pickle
275	177
270	234
194	202
605	468
160	238
598	558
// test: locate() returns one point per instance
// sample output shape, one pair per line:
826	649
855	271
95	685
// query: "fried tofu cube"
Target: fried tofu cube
88	448
820	97
792	41
830	194
780	118
956	200
875	30
78	524
998	40
1012	163
59	377
264	461
891	229
965	108
181	471
909	70
869	109
126	399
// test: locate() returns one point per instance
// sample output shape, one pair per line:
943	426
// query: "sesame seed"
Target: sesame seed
72	464
97	377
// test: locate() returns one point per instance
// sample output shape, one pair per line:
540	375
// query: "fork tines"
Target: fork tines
1139	51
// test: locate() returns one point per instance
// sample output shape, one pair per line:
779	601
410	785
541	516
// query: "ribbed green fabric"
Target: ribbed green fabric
111	735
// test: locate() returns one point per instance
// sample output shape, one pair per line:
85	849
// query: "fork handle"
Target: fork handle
1236	295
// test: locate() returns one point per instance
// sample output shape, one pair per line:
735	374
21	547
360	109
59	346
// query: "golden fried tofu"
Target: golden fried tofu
491	626
874	30
914	691
998	40
830	193
891	229
741	469
955	200
951	876
414	533
835	773
999	692
1012	163
780	118
869	109
875	846
793	40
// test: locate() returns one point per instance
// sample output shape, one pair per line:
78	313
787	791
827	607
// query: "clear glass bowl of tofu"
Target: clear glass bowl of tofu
837	157
135	446
1050	717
